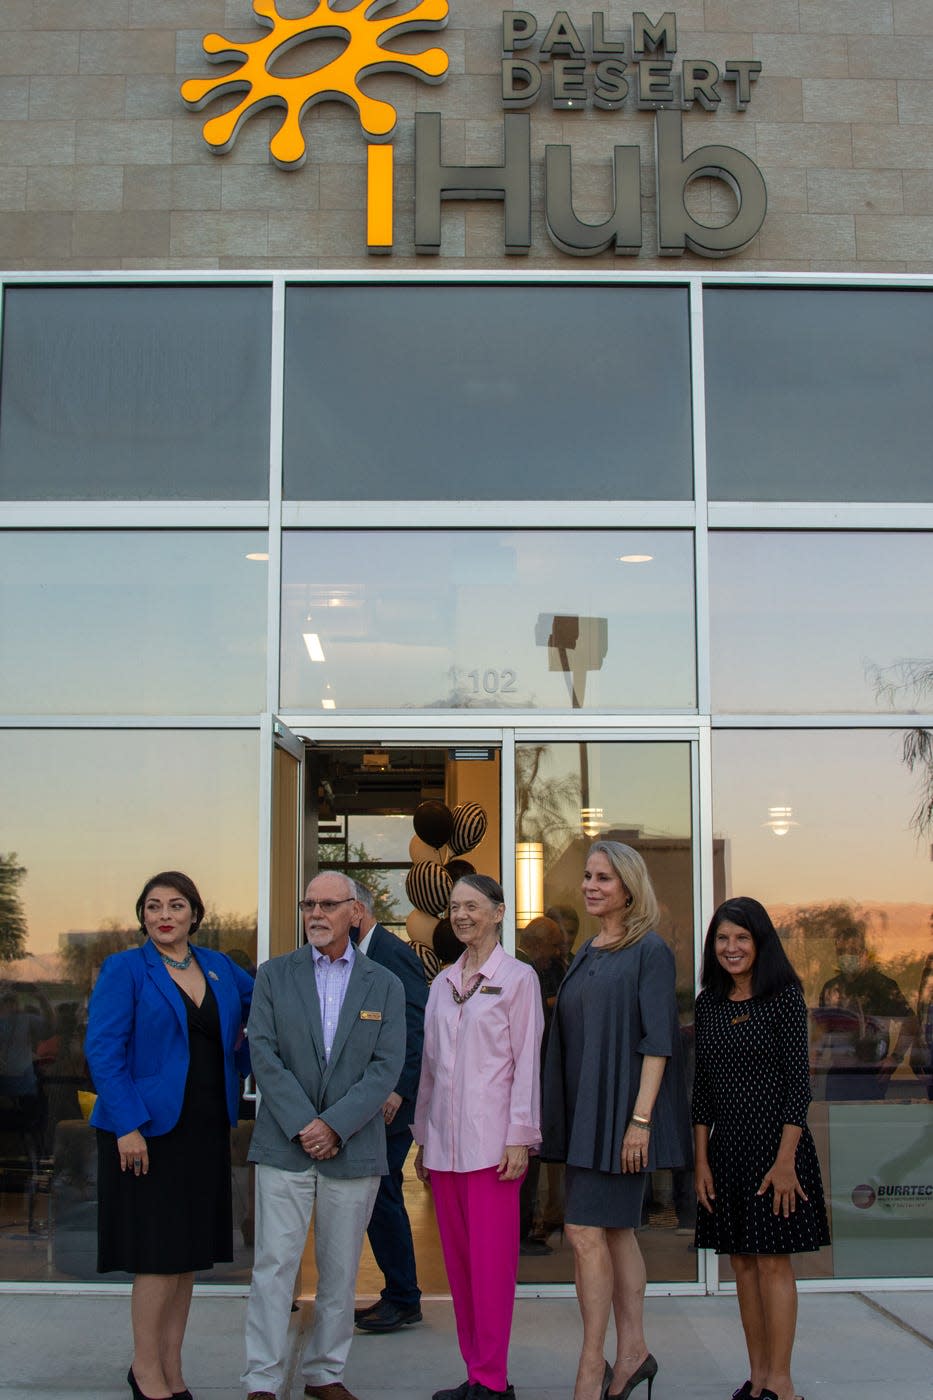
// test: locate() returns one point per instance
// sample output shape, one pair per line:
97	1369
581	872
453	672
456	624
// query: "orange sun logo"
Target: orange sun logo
364	53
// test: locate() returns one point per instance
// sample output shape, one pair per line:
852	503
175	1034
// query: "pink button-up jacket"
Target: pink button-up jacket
480	1084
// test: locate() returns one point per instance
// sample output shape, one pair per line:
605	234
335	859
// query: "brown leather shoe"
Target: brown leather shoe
333	1390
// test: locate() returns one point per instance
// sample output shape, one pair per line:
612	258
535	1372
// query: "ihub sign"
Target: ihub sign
579	67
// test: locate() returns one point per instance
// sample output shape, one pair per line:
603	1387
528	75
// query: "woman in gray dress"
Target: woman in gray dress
615	1108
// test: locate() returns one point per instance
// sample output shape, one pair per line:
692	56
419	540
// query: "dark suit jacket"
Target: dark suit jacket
286	1040
137	1038
399	958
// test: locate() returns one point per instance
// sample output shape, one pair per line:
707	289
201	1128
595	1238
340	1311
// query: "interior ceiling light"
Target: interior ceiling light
262	557
780	820
313	646
635	558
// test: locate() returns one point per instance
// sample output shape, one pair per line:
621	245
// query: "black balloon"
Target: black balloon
433	822
457	868
445	942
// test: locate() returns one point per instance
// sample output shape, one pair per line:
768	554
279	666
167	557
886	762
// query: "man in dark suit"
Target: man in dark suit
327	1037
389	1228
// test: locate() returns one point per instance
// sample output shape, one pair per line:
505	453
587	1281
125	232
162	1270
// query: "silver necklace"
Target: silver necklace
180	964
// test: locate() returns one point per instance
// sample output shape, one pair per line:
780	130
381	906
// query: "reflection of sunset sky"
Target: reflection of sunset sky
797	618
93	814
853	799
403	609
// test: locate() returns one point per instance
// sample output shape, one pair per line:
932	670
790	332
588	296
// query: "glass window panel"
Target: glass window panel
818	826
462	619
137	392
811	622
133	622
87	818
515	393
819	394
639	793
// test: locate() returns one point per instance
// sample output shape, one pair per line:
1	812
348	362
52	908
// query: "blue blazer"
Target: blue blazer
137	1038
401	959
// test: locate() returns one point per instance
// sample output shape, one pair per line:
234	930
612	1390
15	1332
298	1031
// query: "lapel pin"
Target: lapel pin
213	976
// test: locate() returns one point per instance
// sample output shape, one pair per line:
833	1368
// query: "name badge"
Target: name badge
490	991
370	1015
737	1020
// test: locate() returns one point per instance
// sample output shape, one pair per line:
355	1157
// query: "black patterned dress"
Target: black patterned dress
752	1077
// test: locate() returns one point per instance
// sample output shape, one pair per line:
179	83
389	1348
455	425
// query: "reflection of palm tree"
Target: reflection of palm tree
546	809
912	678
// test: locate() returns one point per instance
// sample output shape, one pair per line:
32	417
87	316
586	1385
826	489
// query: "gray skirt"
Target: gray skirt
610	1200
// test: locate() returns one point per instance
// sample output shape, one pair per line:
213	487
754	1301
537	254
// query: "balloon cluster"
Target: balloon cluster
432	876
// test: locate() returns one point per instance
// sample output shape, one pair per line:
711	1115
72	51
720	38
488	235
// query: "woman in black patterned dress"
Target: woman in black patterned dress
757	1174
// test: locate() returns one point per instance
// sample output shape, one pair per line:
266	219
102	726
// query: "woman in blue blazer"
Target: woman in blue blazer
165	1047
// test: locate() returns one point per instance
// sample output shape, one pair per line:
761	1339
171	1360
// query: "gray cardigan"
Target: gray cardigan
593	1063
286	1041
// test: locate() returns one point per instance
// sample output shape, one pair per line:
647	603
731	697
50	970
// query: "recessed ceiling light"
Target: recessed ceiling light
261	557
635	558
313	646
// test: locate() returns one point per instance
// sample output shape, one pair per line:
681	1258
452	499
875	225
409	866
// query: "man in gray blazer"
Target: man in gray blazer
327	1040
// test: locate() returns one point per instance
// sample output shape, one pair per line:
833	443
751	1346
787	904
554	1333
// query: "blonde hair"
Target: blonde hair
642	913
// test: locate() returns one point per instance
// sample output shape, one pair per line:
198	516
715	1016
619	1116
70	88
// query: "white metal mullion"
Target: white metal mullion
898	720
266	747
701	535
501	514
507	831
276	419
135	515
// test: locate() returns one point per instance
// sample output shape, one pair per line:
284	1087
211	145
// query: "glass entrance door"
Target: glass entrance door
405	811
569	792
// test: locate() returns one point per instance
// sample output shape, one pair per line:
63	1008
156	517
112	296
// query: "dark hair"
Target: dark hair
185	886
772	970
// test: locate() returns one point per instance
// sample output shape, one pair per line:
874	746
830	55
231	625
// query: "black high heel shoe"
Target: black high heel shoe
646	1372
607	1382
744	1392
140	1394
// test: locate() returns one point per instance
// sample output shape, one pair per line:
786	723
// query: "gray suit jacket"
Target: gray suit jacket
286	1041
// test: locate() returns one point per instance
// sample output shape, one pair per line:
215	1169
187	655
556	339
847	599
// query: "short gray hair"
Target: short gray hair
364	895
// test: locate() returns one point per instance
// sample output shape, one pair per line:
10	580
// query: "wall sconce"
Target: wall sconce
780	820
591	821
529	882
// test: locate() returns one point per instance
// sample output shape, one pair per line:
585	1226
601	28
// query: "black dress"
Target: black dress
178	1218
752	1077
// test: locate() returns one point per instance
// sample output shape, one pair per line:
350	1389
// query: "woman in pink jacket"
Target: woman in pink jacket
477	1116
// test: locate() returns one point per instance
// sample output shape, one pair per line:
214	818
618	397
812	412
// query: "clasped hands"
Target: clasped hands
319	1140
781	1179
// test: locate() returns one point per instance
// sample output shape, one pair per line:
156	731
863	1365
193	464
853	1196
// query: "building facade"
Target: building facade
522	410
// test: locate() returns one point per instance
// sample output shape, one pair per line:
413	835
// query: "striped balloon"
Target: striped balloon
470	822
428	886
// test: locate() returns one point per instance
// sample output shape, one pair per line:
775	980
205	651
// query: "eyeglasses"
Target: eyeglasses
326	906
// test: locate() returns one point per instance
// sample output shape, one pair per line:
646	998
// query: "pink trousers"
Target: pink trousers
477	1219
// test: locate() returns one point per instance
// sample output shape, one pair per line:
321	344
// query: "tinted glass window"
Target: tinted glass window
136	392
819	395
136	622
813	622
500	393
485	619
87	817
821	827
